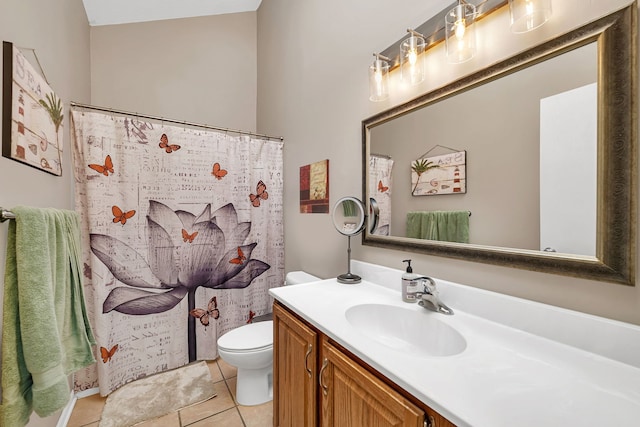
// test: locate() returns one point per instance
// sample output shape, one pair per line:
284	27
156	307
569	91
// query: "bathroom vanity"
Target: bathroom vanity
313	375
357	352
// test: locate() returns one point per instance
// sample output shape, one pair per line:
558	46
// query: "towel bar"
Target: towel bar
6	215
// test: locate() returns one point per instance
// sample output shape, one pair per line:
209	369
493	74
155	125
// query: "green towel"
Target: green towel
349	208
46	333
446	226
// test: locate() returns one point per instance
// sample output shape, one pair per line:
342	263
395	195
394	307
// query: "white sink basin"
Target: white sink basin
408	331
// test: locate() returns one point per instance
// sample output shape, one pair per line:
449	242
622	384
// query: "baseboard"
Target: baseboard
87	392
68	410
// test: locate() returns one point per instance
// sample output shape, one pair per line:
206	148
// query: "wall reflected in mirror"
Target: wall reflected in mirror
530	139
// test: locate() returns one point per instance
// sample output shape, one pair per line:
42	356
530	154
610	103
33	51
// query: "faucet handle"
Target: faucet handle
429	285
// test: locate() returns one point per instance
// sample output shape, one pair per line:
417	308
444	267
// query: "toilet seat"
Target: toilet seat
248	338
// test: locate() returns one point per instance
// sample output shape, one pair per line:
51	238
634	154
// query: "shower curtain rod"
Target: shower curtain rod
163	119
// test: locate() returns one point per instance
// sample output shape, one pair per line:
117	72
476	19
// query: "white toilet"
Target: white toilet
250	349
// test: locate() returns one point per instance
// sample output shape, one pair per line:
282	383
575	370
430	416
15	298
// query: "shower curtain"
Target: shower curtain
380	185
183	237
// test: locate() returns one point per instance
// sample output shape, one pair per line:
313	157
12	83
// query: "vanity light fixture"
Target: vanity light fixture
527	15
412	58
379	78
460	32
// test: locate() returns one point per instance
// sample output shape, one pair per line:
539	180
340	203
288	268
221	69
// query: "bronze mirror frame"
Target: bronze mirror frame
615	258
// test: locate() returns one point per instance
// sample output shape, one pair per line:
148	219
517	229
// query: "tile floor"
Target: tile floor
222	410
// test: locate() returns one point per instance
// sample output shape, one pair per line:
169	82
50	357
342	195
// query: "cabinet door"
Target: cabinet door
295	376
352	396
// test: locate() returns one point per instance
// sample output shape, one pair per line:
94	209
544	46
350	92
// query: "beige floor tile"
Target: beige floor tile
221	402
220	410
228	418
87	410
232	384
169	420
258	415
228	371
216	374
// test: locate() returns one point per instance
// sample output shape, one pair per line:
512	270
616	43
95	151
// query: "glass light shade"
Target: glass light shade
379	80
460	33
527	15
412	60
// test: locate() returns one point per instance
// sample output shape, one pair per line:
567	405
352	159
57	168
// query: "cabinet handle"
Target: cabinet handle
429	421
306	357
325	362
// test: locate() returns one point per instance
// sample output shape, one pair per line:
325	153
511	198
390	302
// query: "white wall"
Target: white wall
59	33
312	88
201	70
313	59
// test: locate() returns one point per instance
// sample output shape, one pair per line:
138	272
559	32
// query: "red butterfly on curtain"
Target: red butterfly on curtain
251	316
103	169
164	143
240	259
120	216
382	188
188	237
218	172
261	193
204	315
108	354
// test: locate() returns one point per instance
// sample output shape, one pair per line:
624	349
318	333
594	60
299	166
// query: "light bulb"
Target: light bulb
460	27
529	7
413	57
378	78
527	15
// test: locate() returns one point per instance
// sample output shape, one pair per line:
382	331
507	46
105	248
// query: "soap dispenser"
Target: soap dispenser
409	283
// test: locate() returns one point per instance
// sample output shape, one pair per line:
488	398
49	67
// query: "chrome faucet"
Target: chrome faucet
429	298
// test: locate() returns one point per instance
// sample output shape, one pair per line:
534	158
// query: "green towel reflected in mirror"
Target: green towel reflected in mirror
349	208
446	226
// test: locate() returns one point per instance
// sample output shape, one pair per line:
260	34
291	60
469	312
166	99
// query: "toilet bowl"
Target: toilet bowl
250	349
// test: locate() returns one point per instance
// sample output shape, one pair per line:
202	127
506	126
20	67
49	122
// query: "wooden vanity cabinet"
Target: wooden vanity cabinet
352	396
295	377
318	383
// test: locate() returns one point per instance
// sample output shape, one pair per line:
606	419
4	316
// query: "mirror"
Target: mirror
348	216
511	161
349	219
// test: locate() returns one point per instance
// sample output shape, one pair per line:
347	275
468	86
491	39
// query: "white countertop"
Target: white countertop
504	377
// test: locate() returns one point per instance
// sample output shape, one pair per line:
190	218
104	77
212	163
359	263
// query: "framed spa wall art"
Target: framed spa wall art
437	175
314	187
32	115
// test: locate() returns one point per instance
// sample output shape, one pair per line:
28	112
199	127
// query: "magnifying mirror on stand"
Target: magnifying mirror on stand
349	218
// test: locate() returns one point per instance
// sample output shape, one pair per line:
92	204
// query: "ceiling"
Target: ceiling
109	12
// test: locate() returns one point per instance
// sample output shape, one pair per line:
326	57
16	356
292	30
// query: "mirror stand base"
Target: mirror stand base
349	279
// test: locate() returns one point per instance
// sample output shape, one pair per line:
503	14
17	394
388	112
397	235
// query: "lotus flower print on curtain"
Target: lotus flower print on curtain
178	265
178	251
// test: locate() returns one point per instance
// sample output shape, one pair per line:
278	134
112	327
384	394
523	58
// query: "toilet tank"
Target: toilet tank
297	277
